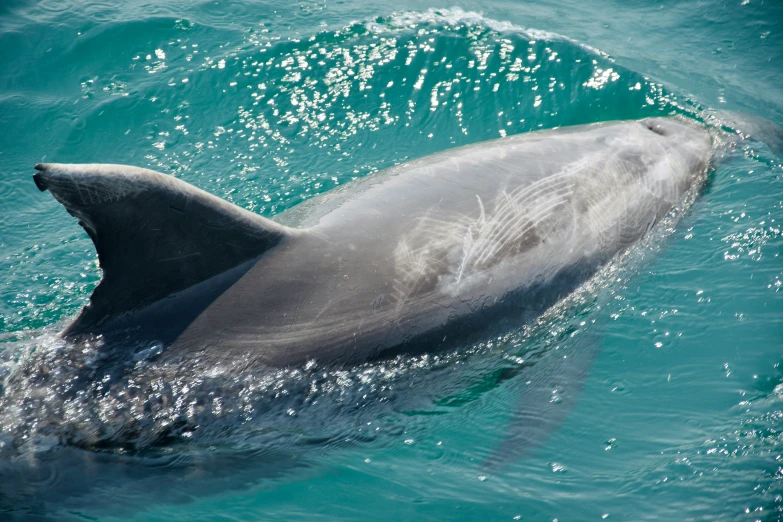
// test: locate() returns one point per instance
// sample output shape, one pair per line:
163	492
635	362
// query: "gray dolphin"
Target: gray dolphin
406	260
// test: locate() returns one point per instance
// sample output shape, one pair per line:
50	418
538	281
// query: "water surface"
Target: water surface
677	415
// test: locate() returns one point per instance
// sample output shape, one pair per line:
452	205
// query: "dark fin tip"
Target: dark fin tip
38	177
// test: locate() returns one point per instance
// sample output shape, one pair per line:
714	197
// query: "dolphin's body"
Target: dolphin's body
405	260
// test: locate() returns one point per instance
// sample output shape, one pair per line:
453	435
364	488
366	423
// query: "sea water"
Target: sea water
679	410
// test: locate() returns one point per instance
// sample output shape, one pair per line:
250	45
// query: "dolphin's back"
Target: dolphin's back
440	247
406	259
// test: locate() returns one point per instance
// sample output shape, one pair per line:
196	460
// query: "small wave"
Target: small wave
456	16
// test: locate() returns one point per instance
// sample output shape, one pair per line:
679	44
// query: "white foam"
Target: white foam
457	16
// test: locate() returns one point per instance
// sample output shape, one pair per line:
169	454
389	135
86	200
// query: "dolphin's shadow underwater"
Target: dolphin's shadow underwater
382	276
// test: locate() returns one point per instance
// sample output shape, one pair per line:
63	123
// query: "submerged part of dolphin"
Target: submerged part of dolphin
406	260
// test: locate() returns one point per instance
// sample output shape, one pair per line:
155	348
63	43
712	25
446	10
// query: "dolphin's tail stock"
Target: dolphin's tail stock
155	235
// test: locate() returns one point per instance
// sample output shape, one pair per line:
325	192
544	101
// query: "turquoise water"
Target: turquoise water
679	411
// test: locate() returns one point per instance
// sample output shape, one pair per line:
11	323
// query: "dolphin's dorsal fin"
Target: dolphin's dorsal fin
155	234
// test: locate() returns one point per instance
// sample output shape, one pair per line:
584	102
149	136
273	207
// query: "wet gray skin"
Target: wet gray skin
411	259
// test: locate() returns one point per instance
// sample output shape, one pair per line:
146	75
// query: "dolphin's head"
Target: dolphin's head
685	145
674	154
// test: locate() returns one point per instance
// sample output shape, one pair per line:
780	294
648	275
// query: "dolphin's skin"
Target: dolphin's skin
405	260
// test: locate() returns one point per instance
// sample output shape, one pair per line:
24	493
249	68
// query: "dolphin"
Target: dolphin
407	260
